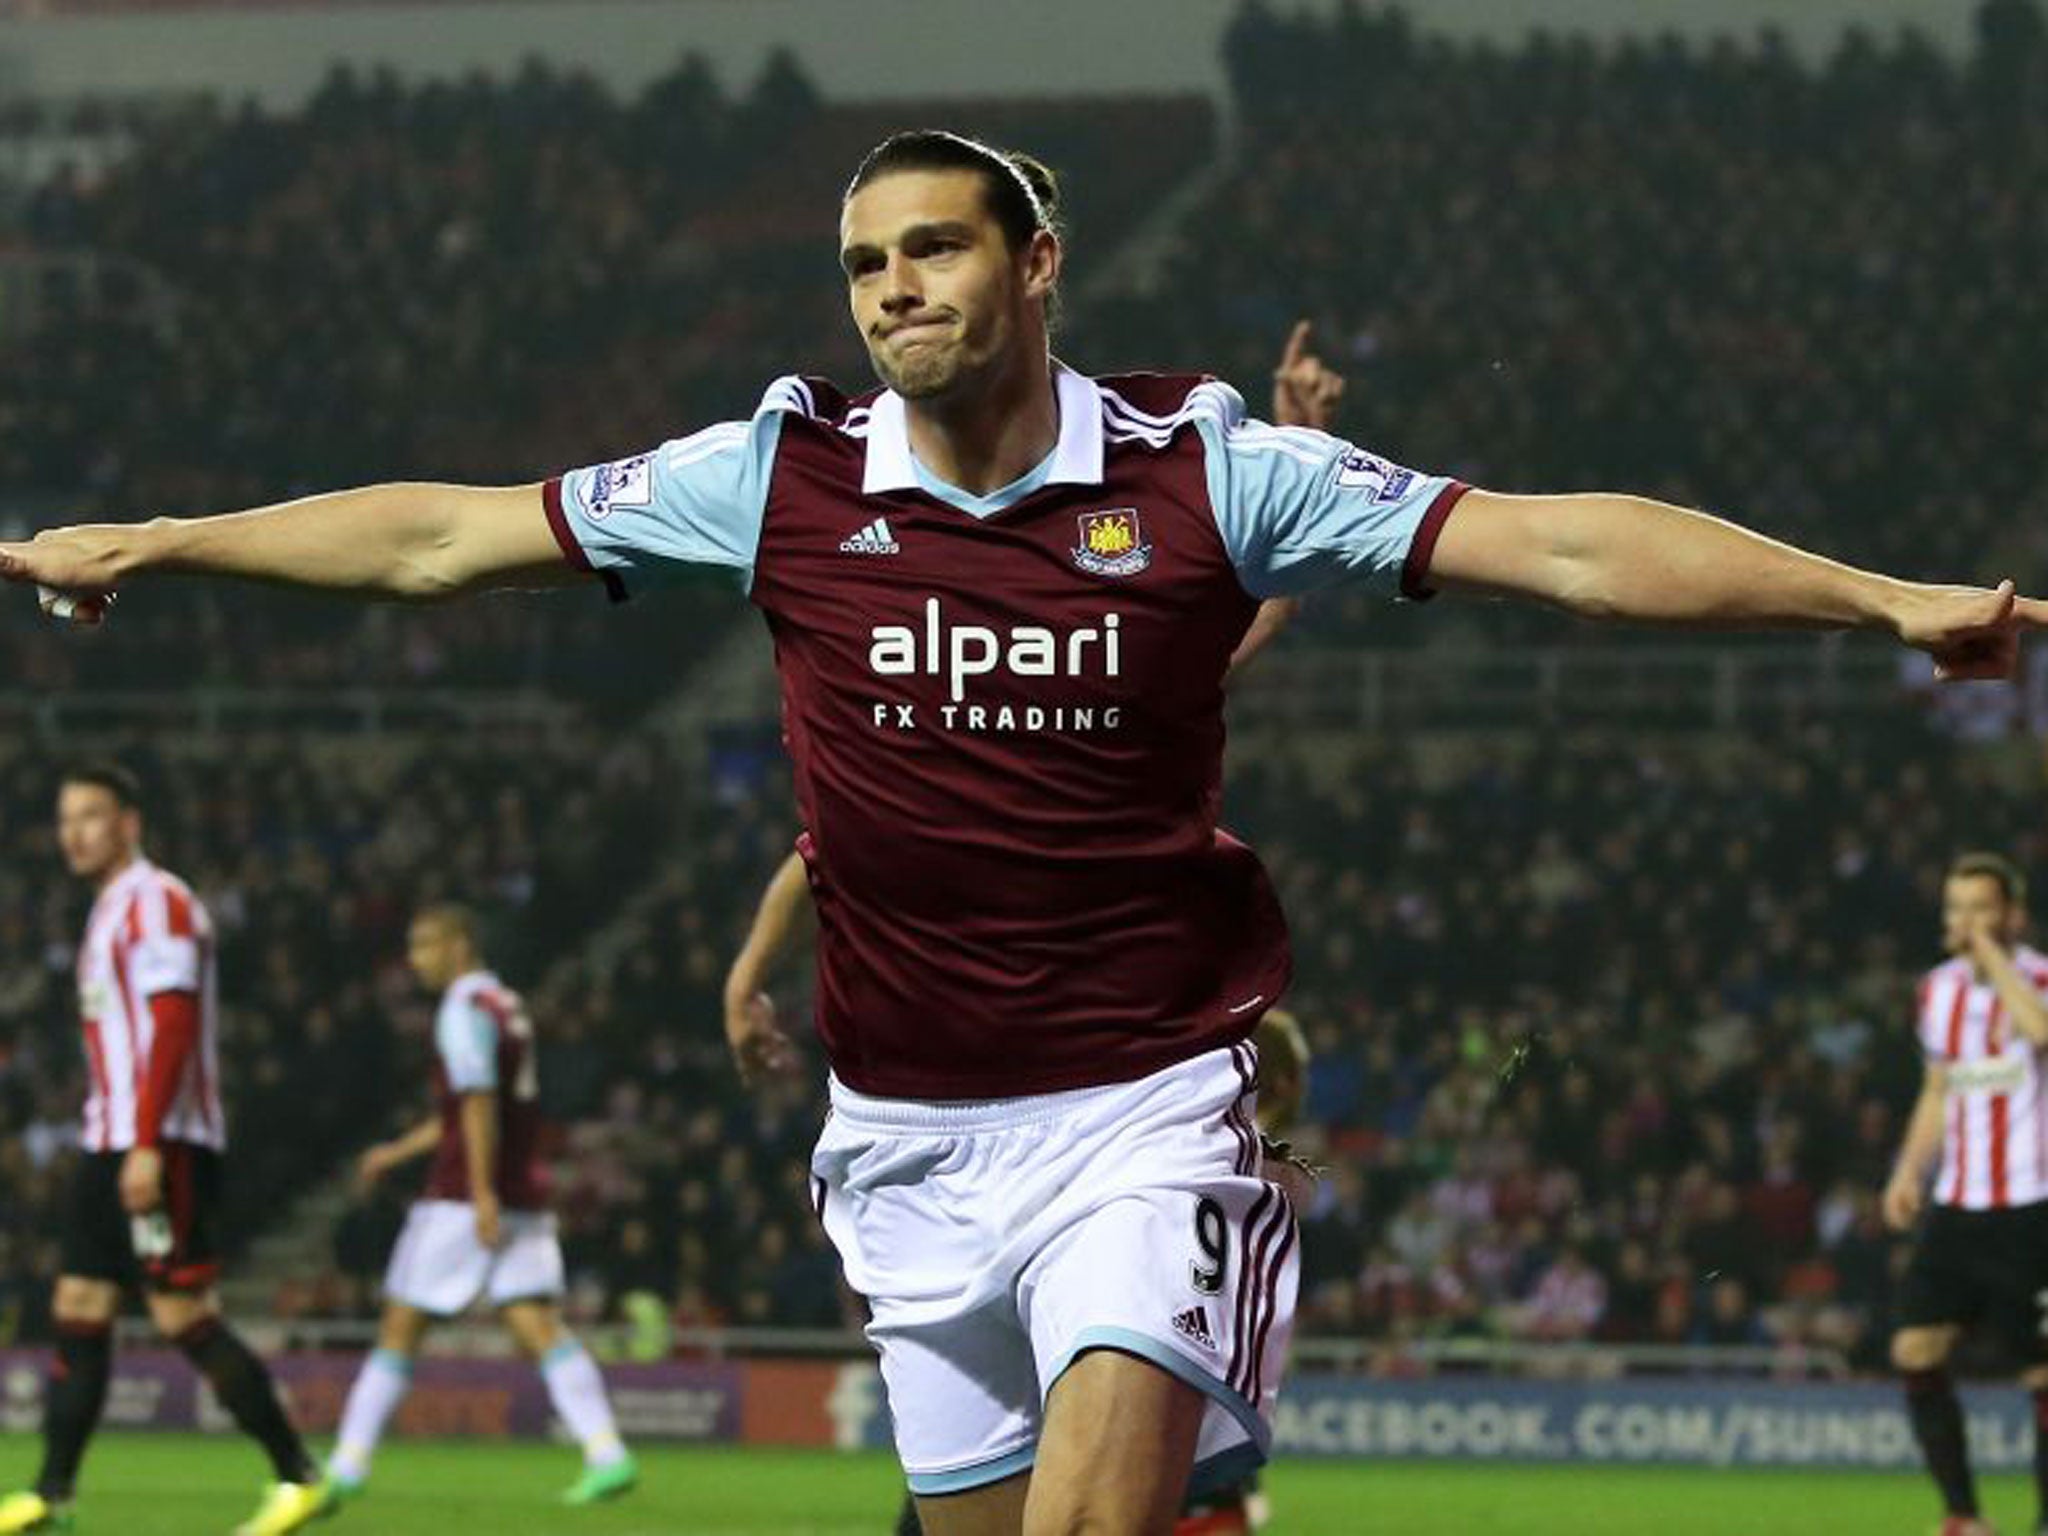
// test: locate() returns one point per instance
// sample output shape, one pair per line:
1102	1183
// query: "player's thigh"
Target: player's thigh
1923	1347
84	1299
1115	1453
2017	1281
95	1239
527	1270
994	1510
177	1247
1199	1280
1946	1289
439	1264
535	1326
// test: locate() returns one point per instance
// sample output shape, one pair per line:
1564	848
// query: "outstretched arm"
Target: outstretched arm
1624	557
410	540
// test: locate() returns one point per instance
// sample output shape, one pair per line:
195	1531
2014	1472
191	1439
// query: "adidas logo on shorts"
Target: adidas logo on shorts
1194	1324
875	539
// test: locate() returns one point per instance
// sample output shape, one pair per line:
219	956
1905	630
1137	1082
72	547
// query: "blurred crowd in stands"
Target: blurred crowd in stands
1611	1038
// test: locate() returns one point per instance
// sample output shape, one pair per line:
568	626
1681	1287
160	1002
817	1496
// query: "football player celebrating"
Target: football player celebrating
1004	596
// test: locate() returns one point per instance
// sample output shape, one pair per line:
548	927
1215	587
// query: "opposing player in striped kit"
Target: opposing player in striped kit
1979	1139
145	1195
482	1230
1040	957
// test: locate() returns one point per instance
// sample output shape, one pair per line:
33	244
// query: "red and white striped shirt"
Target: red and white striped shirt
147	936
1994	1151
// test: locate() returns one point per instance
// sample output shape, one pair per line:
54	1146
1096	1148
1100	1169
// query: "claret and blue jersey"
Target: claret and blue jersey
1005	711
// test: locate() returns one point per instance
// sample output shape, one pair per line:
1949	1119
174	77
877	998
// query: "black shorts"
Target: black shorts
1986	1271
174	1248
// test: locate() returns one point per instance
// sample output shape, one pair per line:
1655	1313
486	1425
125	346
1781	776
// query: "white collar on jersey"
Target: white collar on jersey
1076	457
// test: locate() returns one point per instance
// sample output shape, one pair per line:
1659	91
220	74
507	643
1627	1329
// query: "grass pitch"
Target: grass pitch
191	1485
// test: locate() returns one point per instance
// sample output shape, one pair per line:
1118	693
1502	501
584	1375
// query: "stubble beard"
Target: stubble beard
921	374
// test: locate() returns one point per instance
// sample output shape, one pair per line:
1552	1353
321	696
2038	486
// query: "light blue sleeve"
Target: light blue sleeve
694	501
1299	509
467	1039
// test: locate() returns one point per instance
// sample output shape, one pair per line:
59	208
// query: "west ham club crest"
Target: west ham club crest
1112	543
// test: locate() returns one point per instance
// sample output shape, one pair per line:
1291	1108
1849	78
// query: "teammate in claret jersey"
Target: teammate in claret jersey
482	1229
1038	954
1979	1139
145	1194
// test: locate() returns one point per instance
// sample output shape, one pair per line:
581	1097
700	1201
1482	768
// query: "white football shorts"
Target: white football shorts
996	1241
441	1266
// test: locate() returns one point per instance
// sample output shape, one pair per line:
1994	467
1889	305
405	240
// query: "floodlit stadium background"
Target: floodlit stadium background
1605	940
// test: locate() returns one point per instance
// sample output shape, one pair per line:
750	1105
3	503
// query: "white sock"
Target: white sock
379	1388
577	1391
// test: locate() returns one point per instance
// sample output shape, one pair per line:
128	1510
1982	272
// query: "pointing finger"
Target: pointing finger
1297	345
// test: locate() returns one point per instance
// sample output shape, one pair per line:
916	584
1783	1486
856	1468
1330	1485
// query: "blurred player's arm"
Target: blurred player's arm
411	540
386	1155
480	1157
760	1047
1623	557
173	1038
1907	1191
2023	1005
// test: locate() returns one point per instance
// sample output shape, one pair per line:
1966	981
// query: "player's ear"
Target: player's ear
1042	259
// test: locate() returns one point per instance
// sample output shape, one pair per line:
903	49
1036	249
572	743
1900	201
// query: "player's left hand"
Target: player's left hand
761	1049
1306	390
74	570
142	1180
1969	631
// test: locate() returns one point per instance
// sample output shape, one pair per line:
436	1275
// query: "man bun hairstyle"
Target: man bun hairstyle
1023	193
1993	866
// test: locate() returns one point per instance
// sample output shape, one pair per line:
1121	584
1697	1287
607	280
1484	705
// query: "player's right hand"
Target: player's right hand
1903	1199
74	570
1971	632
761	1049
1306	390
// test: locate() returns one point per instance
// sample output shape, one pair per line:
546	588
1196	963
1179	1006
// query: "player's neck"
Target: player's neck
117	869
981	438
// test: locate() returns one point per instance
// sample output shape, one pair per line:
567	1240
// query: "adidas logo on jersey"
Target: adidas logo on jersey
875	539
1194	1324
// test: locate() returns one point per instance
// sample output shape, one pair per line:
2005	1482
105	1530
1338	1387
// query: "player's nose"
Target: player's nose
900	288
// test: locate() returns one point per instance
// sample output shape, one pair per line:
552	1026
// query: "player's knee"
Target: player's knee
175	1316
1919	1349
83	1301
401	1328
